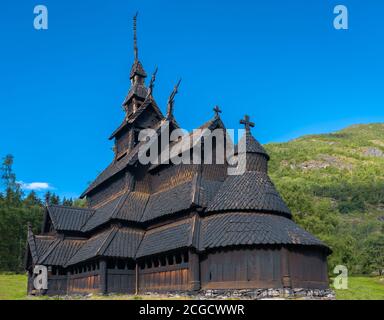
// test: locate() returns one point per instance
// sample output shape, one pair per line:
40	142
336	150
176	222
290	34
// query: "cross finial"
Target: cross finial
171	99
217	111
152	83
135	49
247	123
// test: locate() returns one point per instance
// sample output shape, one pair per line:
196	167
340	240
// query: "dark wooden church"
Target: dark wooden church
174	227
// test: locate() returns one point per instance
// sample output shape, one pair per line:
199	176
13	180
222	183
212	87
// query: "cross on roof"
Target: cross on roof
247	123
217	110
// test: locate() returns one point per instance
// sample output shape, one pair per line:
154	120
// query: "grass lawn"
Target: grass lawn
14	287
362	288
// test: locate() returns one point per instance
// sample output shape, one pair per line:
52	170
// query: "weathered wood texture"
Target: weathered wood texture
170	278
121	281
107	191
241	269
264	268
57	284
308	268
84	282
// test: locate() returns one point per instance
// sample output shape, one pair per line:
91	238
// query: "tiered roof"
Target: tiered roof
200	211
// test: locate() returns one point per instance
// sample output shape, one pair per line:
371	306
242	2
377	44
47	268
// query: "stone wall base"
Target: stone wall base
253	294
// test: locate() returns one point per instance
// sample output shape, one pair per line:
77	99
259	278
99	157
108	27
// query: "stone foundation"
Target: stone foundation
253	294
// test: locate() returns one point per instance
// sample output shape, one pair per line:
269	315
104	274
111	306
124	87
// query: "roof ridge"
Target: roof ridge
52	219
194	236
139	244
69	207
107	241
145	206
76	251
119	204
31	237
196	188
51	247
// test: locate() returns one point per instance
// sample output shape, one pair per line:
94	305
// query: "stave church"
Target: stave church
174	227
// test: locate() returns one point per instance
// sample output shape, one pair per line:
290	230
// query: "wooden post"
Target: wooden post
285	273
194	271
103	277
68	281
137	279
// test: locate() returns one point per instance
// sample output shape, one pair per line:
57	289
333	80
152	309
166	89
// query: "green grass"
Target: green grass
362	288
13	287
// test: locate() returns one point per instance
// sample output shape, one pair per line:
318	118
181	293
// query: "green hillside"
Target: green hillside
334	184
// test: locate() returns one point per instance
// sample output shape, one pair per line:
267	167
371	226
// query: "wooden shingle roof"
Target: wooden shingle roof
113	242
252	145
124	244
38	245
169	201
251	190
242	228
92	247
69	218
166	238
133	206
61	252
103	214
138	90
137	69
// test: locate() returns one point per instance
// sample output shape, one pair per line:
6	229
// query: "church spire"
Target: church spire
171	100
135	48
137	72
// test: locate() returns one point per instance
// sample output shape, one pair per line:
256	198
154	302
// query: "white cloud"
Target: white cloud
35	186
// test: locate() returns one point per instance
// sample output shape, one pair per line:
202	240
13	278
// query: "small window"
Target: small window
131	265
185	256
170	260
121	264
178	258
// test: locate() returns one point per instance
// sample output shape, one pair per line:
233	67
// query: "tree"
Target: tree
15	213
13	193
374	254
51	198
32	200
67	202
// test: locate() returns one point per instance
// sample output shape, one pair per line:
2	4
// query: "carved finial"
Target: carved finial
247	123
29	230
135	49
217	111
152	83
171	100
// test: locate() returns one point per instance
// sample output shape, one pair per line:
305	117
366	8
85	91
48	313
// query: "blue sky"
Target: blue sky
281	62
